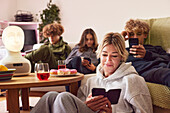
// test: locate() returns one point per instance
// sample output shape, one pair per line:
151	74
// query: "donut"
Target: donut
53	71
63	71
73	71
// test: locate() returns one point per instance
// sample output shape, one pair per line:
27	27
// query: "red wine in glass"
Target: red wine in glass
43	76
61	66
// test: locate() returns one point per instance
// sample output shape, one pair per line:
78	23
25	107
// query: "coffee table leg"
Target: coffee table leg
73	88
13	101
25	98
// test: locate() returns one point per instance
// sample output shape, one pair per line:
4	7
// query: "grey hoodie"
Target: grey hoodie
134	97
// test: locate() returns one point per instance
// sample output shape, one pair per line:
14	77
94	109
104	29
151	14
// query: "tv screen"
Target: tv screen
30	39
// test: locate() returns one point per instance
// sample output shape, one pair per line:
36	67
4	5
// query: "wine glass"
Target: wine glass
42	71
61	64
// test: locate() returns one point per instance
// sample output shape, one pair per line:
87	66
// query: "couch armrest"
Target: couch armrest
86	76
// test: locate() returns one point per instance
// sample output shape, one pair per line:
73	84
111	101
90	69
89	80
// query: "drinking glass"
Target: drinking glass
42	71
61	64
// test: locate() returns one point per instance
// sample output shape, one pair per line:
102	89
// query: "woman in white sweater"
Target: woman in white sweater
112	73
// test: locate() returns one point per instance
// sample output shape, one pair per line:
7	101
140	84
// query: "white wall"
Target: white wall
7	9
101	15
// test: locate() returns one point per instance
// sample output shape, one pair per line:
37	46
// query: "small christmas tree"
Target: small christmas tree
49	15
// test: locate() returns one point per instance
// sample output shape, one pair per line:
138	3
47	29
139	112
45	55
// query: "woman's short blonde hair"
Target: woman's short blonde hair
117	41
53	29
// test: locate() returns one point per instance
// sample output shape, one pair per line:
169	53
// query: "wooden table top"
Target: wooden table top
31	81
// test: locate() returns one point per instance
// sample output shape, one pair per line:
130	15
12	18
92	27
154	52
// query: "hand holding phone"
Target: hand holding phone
86	58
133	41
113	94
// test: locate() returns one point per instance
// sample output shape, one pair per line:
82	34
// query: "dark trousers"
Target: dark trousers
158	75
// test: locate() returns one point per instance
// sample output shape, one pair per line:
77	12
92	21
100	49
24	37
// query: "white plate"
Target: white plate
63	75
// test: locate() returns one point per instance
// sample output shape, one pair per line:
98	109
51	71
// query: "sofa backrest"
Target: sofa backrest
159	34
72	44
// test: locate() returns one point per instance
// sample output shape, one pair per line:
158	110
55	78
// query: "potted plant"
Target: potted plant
48	15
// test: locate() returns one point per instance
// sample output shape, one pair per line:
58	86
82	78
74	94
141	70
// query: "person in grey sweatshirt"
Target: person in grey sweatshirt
112	73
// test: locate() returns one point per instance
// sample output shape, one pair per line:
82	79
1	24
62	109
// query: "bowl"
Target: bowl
7	75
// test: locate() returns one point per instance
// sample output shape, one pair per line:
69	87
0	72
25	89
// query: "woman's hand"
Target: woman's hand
84	62
107	109
88	65
91	66
99	103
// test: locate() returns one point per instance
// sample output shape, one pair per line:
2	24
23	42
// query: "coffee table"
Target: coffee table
26	82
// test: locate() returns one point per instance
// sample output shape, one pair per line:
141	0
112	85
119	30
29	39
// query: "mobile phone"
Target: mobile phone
113	94
133	41
86	58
